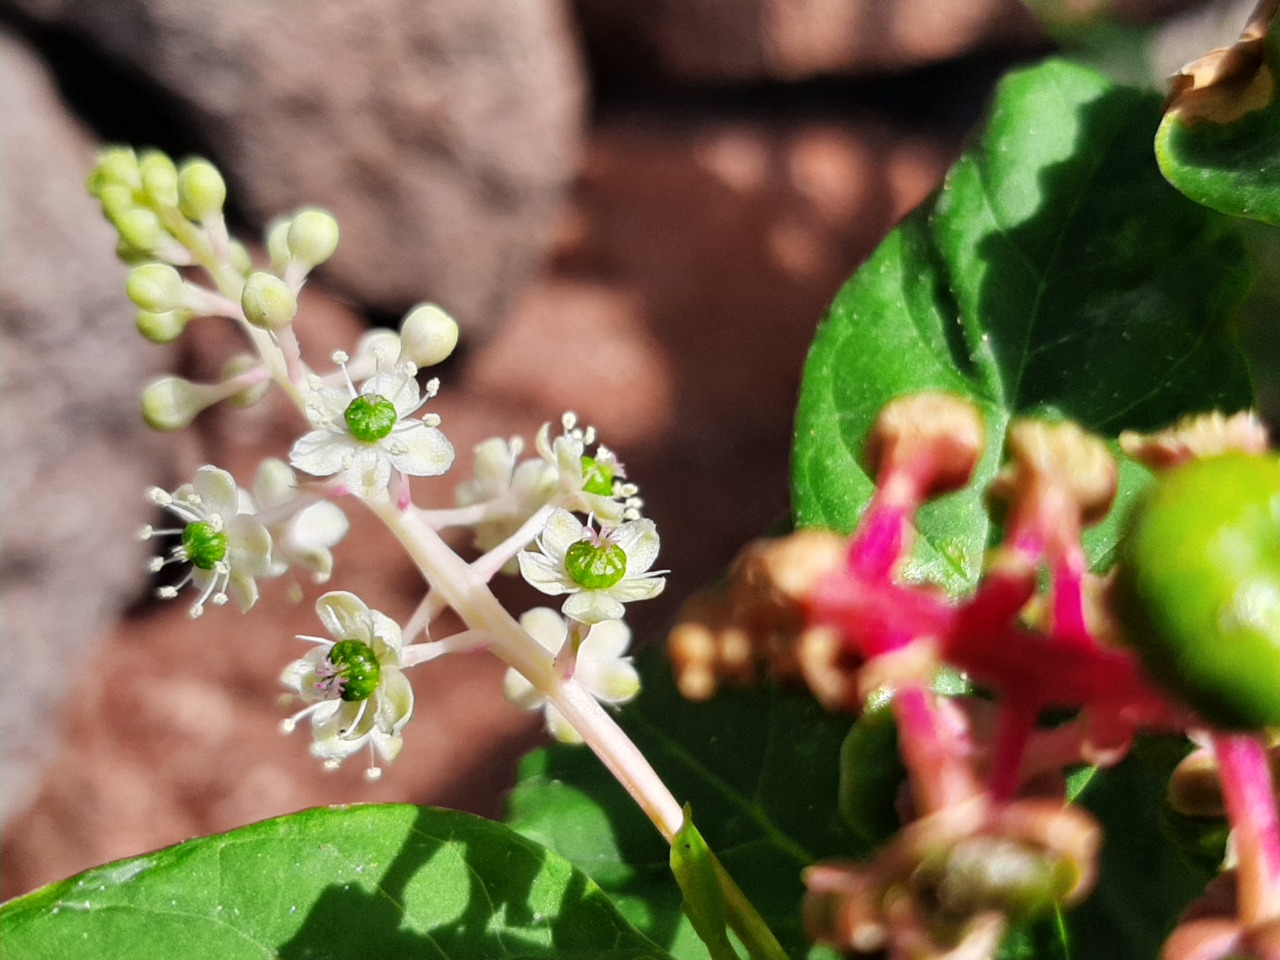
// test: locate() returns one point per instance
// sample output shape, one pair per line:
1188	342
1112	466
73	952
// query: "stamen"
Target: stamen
290	724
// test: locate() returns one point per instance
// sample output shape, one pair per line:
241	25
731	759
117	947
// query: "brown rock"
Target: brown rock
75	455
441	133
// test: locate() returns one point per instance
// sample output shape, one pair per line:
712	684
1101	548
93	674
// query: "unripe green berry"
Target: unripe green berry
159	179
201	190
204	545
163	327
156	287
427	335
1198	587
356	664
268	302
595	567
171	403
312	236
599	477
371	417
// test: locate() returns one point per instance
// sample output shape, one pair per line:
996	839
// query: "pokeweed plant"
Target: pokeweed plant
929	723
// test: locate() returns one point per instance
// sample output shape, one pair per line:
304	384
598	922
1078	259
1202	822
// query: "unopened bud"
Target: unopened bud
240	259
163	327
1194	789
201	190
268	302
936	438
171	403
140	228
155	287
118	167
277	237
312	236
1197	437
1063	455
240	364
159	178
427	335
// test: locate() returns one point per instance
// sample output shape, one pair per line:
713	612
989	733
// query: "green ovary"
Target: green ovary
599	477
595	567
204	545
355	662
371	418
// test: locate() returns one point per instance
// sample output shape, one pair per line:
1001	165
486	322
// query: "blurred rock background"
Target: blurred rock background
638	209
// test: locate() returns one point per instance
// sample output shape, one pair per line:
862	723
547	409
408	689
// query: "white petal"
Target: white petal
321	525
559	727
274	483
395	701
520	692
248	547
606	642
243	589
546	626
401	390
639	539
345	616
321	452
427	452
217	491
618	682
561	532
542	574
386	630
638	588
368	473
593	606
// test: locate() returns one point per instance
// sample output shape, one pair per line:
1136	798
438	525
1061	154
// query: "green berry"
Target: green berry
268	302
204	545
595	567
599	477
355	662
371	417
1198	588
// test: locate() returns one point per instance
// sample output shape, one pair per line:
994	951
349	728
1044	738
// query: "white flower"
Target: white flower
600	569
357	695
366	435
588	483
601	668
511	492
304	536
226	546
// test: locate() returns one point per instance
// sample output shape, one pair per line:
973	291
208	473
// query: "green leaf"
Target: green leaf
1221	160
390	881
759	768
1055	271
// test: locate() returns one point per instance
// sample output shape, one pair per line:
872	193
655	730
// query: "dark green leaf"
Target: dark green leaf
1054	271
1224	161
760	769
348	883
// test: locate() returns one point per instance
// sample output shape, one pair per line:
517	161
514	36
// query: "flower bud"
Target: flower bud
159	179
171	403
240	259
277	237
239	364
116	200
312	236
201	190
268	302
427	335
163	327
117	166
140	228
156	287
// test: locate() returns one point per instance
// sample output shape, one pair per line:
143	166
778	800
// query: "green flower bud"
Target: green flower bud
277	236
427	335
156	287
371	418
163	327
242	363
159	179
356	664
240	259
268	302
595	567
171	403
117	200
201	190
117	166
140	228
312	236
205	546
